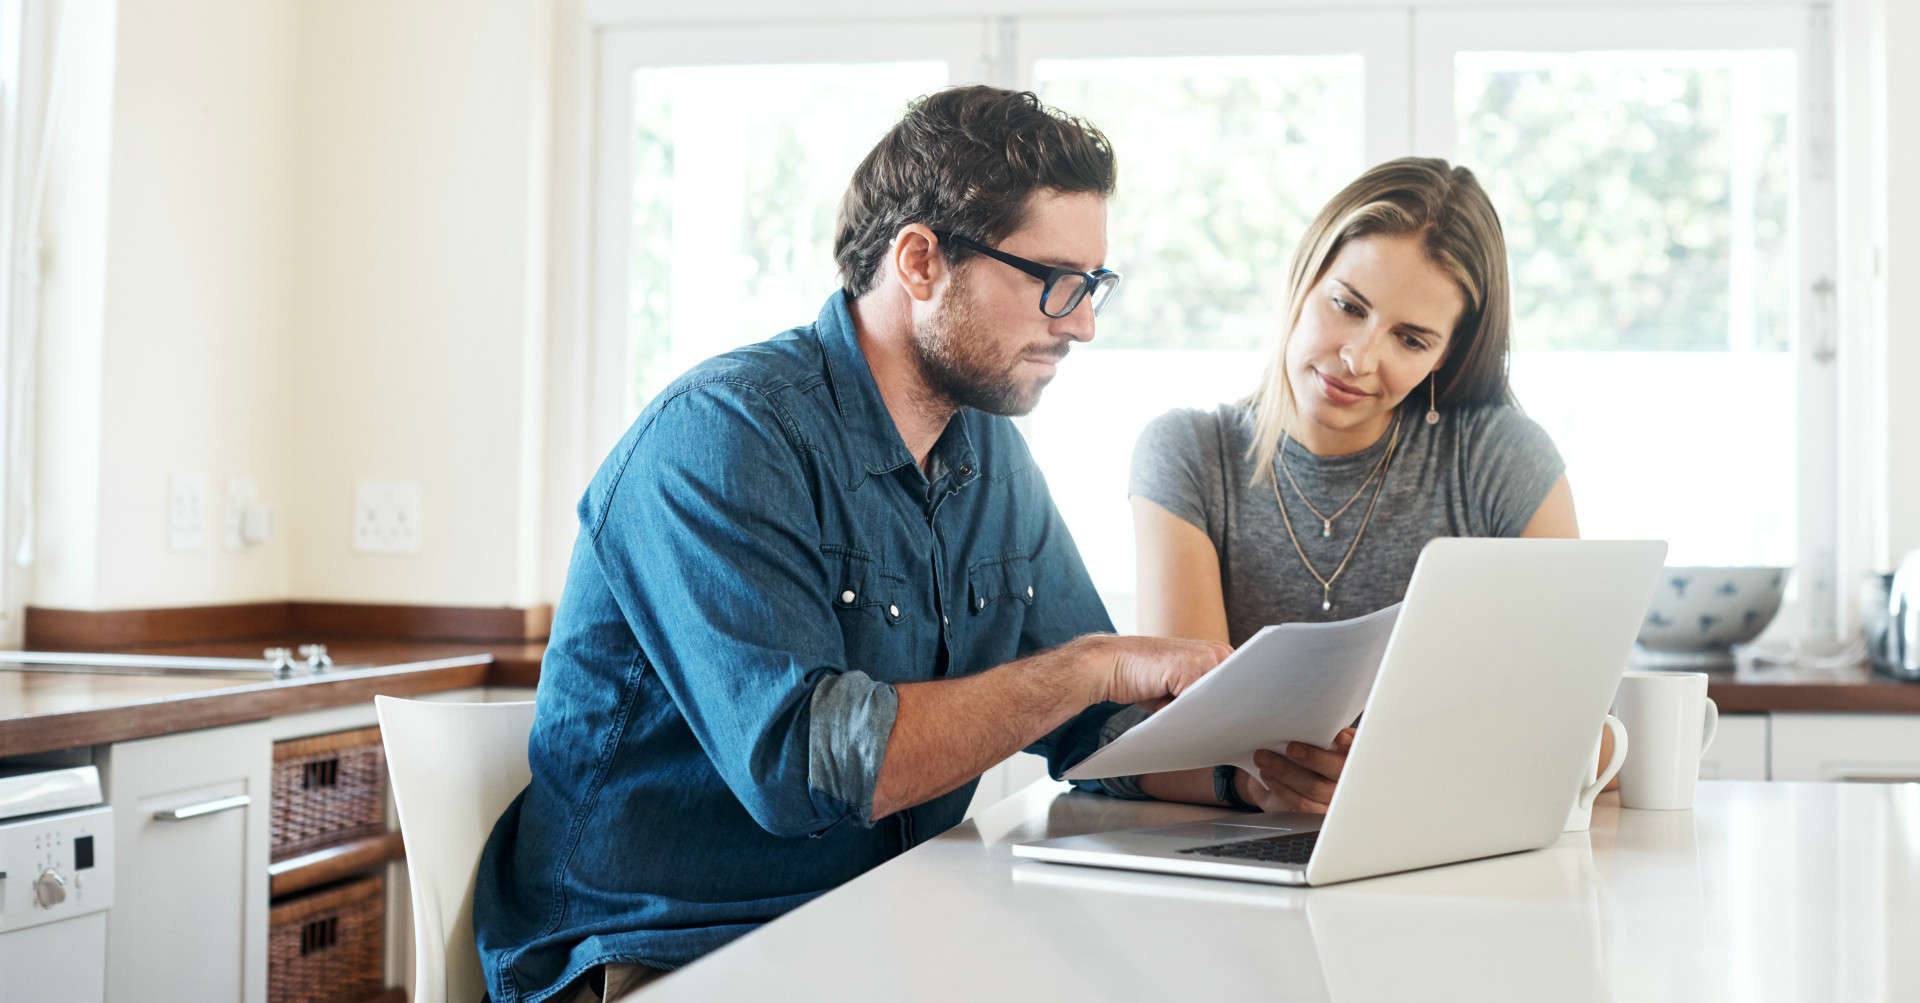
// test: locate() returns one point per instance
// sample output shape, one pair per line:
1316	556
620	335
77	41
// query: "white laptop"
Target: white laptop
1479	725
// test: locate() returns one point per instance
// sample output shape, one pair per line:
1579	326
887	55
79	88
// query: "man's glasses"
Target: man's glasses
1063	288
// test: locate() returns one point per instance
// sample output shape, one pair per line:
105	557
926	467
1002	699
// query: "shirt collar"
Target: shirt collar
868	426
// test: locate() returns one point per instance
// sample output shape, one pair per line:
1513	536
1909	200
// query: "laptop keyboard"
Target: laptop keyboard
1293	848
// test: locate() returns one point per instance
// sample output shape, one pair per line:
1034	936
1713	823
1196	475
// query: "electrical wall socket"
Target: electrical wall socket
386	517
186	511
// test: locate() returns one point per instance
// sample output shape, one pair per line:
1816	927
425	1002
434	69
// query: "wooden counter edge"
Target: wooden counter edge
1879	697
52	628
234	705
514	670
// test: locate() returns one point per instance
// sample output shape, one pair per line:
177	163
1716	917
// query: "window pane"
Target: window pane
737	175
1223	162
1647	200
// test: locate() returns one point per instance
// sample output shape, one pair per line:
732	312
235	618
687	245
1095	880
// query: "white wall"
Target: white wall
421	304
165	310
196	370
301	240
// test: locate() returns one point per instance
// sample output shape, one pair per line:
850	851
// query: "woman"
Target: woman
1383	421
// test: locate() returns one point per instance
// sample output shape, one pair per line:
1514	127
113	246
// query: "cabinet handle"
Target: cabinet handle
203	808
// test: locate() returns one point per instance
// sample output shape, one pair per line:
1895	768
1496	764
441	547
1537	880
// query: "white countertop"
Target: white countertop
1763	891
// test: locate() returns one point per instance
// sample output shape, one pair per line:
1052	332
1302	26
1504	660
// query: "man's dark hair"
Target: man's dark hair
964	159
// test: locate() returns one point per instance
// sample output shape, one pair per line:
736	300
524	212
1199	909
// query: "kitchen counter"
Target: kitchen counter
1763	891
42	711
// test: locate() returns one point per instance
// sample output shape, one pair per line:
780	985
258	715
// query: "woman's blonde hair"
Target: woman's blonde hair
1445	207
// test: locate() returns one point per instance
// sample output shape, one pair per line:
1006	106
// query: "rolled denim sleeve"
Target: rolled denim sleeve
709	541
847	737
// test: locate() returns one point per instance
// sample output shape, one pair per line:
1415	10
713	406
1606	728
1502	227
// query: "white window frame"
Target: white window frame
1803	29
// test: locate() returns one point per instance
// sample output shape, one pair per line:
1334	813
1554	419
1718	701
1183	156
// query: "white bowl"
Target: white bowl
1710	609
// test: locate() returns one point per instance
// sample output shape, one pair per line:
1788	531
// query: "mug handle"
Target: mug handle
1713	725
1619	759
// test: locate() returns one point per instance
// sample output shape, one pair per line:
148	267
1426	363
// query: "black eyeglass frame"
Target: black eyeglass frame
1090	282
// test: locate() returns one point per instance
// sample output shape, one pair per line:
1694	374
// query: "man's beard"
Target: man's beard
958	367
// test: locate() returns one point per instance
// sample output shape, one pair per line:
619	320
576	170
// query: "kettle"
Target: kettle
1897	651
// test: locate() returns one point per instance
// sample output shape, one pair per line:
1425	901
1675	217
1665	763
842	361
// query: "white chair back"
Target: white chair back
455	767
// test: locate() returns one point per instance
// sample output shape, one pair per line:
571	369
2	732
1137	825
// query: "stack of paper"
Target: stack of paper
1296	682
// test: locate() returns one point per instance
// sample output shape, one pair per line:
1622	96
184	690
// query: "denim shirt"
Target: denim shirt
759	563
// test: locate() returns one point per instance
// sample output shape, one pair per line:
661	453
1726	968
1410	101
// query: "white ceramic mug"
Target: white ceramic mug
1672	722
1580	816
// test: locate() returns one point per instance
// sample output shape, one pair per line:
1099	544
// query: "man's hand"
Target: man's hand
1300	778
1150	671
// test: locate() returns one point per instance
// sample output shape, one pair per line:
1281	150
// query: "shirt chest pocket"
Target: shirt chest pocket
999	593
872	603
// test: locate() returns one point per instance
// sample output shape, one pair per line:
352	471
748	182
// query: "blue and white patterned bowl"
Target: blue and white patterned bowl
1707	609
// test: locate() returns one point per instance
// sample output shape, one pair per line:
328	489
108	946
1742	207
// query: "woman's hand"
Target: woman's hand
1301	778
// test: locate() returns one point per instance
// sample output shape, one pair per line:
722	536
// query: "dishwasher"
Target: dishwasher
56	884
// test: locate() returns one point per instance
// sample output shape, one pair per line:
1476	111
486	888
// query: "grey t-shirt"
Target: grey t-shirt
1482	471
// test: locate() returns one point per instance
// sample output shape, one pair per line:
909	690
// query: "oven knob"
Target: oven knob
49	889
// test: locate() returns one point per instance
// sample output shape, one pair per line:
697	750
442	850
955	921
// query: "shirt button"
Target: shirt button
893	611
1029	592
944	622
966	470
982	605
847	597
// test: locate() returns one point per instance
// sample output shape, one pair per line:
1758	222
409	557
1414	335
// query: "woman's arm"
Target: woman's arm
1554	518
1178	585
1177	577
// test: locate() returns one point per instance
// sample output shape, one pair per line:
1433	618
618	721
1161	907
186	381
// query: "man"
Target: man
819	586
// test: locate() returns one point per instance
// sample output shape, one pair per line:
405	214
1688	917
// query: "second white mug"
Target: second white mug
1672	721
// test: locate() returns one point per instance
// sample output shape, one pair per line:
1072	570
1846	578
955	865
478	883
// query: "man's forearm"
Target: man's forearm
950	731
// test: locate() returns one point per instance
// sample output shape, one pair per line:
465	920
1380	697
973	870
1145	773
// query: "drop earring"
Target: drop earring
1433	413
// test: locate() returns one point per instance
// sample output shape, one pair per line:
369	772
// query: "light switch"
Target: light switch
186	511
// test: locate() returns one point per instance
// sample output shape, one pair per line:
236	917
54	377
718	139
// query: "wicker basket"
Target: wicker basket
328	789
328	945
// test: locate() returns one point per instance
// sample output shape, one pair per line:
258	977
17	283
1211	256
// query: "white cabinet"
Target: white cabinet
1855	747
1739	749
190	814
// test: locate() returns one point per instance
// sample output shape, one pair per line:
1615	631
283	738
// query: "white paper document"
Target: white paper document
1295	682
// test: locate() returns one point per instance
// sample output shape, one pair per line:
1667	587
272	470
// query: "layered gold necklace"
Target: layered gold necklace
1326	521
